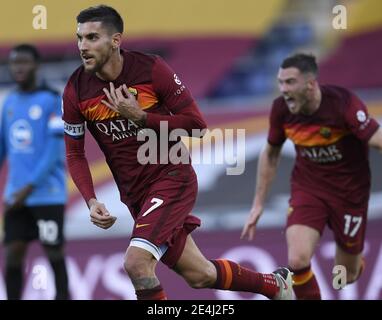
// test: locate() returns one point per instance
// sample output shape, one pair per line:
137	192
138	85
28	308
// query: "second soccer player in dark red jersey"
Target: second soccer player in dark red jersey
119	94
332	131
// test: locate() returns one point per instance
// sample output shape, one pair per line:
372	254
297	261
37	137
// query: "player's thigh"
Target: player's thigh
19	226
349	228
302	241
165	209
49	220
307	218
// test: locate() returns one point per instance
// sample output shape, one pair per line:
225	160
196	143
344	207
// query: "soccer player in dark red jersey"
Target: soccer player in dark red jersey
330	184
119	94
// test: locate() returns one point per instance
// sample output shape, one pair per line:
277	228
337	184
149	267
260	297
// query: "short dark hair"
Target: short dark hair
105	14
306	63
25	47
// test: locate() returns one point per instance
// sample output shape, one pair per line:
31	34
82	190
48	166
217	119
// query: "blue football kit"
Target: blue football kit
31	139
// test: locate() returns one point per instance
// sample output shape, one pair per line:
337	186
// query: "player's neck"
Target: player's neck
317	99
27	86
112	69
315	102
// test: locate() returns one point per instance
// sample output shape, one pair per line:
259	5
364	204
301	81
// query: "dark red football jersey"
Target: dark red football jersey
331	145
159	92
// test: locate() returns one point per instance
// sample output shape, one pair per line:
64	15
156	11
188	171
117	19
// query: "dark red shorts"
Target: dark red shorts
163	216
348	223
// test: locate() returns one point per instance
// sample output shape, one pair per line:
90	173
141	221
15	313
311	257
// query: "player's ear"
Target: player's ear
116	40
311	83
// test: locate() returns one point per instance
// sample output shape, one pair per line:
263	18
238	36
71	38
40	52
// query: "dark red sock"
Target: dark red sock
155	293
231	276
305	285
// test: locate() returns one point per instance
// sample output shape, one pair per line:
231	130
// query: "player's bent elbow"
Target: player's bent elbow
299	260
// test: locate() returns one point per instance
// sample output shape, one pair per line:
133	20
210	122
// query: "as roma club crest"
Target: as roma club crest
133	91
325	132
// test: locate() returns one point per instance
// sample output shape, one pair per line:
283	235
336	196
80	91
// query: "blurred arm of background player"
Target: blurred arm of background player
266	171
376	140
47	162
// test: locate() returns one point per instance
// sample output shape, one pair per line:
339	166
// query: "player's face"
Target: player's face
22	66
95	44
294	87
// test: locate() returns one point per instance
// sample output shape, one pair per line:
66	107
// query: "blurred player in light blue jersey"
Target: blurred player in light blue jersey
31	139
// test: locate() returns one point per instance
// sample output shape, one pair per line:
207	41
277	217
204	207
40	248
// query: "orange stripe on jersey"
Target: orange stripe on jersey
93	109
300	279
146	96
99	112
228	274
313	135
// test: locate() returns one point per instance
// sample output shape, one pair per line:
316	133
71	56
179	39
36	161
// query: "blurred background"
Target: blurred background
228	54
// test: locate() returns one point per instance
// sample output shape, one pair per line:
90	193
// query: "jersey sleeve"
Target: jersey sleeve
48	159
74	128
55	122
170	89
276	133
74	121
358	119
2	133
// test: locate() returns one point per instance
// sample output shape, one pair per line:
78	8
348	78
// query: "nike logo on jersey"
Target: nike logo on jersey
141	225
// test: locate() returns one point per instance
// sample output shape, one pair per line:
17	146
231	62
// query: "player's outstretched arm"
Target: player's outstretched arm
2	137
376	140
266	171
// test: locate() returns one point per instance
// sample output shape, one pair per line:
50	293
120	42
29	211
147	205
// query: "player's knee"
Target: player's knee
54	253
299	261
13	260
14	254
137	267
203	278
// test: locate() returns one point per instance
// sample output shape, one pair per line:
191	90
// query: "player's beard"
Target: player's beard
98	64
300	102
95	66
